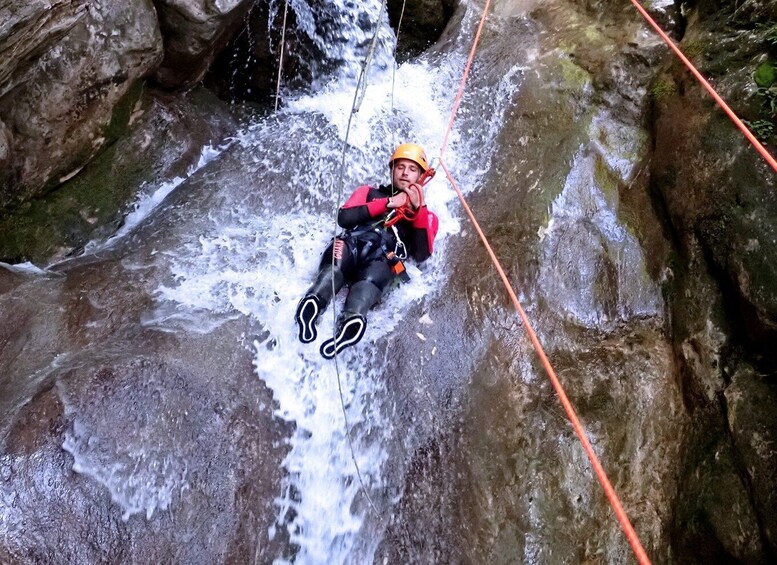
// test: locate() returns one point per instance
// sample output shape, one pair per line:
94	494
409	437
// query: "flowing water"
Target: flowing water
259	256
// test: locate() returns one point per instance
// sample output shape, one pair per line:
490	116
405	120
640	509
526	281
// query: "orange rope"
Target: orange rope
467	67
609	491
612	496
722	103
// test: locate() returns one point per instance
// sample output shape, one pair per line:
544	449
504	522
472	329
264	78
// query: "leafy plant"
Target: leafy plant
765	74
769	96
765	77
762	129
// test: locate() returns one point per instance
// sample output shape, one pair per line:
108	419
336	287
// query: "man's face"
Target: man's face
404	173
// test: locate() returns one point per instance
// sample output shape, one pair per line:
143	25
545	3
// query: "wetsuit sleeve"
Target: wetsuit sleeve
425	225
357	210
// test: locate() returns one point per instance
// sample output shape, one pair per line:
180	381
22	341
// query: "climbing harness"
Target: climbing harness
705	83
396	264
399	249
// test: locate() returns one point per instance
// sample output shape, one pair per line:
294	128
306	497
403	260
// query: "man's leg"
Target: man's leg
362	296
329	280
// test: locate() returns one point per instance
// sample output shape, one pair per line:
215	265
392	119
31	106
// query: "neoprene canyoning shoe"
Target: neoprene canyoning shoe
349	332
307	313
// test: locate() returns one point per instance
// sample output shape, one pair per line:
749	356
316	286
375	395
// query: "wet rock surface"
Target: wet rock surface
634	222
126	439
167	136
66	82
717	195
505	479
71	76
194	31
421	24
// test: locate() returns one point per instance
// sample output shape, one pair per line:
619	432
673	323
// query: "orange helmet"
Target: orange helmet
413	152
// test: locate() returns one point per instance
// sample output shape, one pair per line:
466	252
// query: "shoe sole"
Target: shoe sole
350	334
307	312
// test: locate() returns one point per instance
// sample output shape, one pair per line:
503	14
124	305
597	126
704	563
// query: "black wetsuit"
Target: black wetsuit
367	255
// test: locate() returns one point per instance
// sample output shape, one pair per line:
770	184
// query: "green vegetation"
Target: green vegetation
693	48
662	88
762	129
574	74
769	97
765	77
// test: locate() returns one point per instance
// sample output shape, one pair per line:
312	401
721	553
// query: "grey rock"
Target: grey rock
421	24
5	146
67	72
751	399
166	136
195	32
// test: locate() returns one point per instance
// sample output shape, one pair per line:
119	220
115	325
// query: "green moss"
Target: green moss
762	129
605	179
574	74
70	214
662	88
765	75
593	35
122	112
693	48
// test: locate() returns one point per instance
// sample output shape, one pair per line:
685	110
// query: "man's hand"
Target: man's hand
397	201
416	196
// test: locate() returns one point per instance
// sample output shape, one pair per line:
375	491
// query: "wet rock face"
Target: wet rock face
566	207
718	196
714	519
195	31
421	24
119	442
5	146
751	399
247	68
66	81
167	134
133	450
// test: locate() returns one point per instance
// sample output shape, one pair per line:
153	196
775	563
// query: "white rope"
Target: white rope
367	62
394	55
280	57
340	180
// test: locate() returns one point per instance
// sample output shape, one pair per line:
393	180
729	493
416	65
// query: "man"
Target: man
383	226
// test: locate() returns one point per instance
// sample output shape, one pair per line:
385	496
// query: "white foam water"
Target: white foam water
150	198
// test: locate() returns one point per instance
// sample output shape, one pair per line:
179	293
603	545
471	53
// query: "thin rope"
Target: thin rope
462	84
394	55
722	103
280	57
340	181
368	61
631	535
